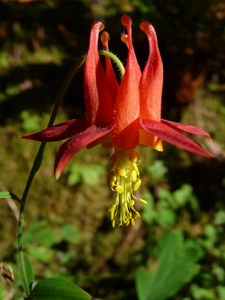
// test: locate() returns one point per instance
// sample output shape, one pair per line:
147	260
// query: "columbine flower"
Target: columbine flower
121	117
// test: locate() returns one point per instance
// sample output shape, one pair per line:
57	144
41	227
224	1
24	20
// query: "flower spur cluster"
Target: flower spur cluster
121	116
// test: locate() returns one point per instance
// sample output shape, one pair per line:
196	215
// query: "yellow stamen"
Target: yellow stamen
131	203
110	209
134	156
134	175
136	185
124	180
112	176
119	189
142	201
120	172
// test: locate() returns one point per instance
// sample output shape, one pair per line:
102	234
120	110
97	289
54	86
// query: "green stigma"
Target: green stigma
124	179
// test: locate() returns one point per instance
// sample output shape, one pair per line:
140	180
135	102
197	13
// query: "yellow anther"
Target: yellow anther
135	168
136	185
112	184
121	172
134	157
131	203
112	214
112	176
134	175
113	223
132	222
142	201
128	222
111	208
137	215
115	158
119	189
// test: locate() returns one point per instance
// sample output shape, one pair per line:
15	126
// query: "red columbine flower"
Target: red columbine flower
121	117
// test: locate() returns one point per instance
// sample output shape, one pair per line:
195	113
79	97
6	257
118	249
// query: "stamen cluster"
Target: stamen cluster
124	179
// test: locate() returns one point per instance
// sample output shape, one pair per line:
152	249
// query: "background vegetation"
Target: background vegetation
68	234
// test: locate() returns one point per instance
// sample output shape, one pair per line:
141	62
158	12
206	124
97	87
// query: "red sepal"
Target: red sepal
68	149
59	131
171	136
186	128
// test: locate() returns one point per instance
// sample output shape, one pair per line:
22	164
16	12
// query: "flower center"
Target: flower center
124	179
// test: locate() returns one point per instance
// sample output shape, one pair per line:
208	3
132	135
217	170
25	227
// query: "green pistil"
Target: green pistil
115	58
124	180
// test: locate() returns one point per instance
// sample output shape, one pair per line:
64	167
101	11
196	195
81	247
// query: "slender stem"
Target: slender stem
35	168
115	58
18	290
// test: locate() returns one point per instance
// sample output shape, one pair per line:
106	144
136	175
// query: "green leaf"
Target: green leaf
29	271
41	253
176	266
42	234
9	195
166	217
87	174
71	234
157	170
182	195
58	289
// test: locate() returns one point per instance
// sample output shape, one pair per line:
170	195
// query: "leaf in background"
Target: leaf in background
58	289
148	211
41	234
71	234
157	170
30	122
42	254
166	217
175	267
87	174
29	271
182	195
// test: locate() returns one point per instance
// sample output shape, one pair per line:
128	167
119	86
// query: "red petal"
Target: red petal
98	100
75	144
113	84
152	78
186	128
173	137
126	110
59	131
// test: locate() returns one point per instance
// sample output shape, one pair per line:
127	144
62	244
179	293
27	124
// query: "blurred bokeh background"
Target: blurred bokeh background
67	227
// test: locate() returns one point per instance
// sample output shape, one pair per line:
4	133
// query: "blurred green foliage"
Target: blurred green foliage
68	232
175	266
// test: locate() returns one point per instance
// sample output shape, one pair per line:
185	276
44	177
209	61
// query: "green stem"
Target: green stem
35	168
18	290
115	58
